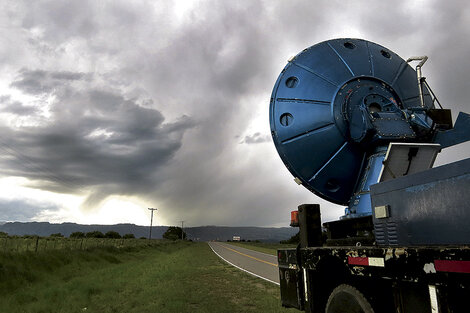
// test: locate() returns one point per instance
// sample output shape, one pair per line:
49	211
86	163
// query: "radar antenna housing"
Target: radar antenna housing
336	108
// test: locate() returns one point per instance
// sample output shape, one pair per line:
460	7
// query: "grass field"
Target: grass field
269	248
169	277
38	244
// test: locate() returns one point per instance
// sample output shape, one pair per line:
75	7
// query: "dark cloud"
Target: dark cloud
115	70
8	105
96	141
39	81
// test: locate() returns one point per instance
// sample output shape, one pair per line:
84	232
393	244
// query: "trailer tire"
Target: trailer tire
347	299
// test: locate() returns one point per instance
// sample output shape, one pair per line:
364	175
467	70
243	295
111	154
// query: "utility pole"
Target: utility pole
151	221
182	238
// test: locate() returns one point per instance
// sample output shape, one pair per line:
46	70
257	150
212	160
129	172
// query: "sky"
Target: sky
108	108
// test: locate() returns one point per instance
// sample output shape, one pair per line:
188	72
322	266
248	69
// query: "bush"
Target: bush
292	240
57	235
174	233
28	236
3	234
94	234
112	234
128	236
77	234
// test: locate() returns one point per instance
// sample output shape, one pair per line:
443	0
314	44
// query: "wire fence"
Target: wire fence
38	244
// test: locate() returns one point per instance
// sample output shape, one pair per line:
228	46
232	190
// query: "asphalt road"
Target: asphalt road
255	263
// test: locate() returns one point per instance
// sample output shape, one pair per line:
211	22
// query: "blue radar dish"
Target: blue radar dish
319	106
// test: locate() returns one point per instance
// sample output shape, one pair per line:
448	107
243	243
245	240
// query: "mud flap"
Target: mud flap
292	289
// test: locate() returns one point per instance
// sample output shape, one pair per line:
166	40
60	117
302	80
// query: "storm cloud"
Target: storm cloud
94	140
168	102
22	210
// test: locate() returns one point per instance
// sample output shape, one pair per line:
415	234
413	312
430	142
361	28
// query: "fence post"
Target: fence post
37	243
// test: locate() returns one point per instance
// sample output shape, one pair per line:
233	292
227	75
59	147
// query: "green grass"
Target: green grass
30	243
269	248
170	277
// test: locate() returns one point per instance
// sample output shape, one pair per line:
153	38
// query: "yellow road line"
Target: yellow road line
249	256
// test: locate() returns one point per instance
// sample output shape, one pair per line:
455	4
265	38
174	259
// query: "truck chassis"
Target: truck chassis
408	260
394	279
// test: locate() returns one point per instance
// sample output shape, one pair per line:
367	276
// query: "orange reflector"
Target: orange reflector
294	218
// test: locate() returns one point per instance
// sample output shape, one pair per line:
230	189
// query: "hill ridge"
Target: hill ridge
201	233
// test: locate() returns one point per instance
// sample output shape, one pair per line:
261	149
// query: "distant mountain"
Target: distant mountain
203	233
266	234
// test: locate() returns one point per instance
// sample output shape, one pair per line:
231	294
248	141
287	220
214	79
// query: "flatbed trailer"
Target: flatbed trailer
414	260
393	279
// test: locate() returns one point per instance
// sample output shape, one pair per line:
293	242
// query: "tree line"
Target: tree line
78	235
172	233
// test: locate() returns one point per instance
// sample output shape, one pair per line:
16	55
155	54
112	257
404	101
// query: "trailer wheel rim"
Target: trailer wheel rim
347	299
